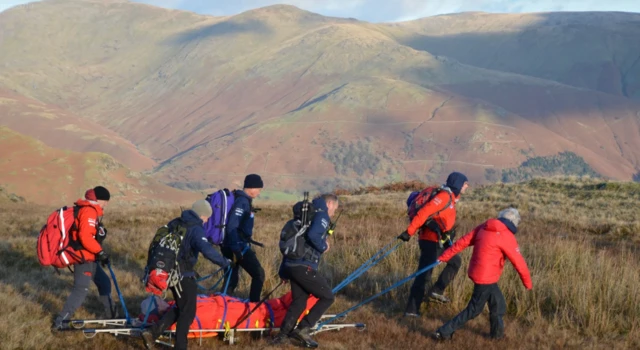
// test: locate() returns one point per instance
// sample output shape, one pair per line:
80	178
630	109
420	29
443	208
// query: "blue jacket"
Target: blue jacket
194	243
240	225
316	242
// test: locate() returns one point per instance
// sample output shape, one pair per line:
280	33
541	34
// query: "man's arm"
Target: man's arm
87	225
316	233
200	244
438	203
460	245
236	216
512	251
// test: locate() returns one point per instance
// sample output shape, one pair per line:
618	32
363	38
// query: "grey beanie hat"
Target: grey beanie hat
510	214
202	208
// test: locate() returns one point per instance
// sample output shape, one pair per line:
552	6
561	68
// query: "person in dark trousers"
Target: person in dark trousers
193	244
238	234
492	242
437	214
305	280
88	234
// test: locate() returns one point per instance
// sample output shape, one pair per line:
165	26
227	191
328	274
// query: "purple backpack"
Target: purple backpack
221	202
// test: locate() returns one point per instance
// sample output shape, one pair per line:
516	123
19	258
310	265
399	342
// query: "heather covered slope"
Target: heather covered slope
45	175
304	99
62	129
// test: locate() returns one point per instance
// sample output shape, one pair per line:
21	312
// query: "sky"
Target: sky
386	10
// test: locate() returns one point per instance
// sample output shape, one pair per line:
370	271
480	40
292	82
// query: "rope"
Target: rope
226	285
115	282
396	285
374	260
207	277
149	309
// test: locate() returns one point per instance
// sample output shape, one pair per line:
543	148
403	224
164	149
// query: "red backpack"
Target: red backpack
421	199
54	241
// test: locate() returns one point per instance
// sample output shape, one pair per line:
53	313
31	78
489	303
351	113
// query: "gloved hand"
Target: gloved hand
103	258
404	236
232	264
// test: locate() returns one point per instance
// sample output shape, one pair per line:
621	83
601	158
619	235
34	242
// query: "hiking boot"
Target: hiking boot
439	298
304	337
280	339
437	336
147	339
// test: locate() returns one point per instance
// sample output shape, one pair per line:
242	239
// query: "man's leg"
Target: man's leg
187	304
479	298
298	303
312	283
427	257
316	285
497	309
82	276
103	282
251	264
446	276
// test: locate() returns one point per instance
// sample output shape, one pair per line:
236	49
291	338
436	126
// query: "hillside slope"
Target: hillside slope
45	175
306	99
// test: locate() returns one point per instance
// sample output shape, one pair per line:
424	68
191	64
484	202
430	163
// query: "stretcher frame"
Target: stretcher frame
119	327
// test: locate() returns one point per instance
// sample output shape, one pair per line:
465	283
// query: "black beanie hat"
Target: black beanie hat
253	181
102	194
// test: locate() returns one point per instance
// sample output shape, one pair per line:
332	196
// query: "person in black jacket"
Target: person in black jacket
238	233
304	277
193	244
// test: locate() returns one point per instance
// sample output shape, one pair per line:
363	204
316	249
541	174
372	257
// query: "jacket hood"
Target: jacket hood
87	203
320	203
455	181
190	217
500	225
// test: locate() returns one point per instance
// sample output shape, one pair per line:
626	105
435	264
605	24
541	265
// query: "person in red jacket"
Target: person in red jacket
86	237
492	242
439	214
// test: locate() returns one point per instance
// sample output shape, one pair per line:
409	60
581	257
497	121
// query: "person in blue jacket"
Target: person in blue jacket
304	277
193	243
238	233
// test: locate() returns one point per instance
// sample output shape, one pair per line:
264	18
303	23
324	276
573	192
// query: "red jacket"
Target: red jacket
446	218
87	222
492	242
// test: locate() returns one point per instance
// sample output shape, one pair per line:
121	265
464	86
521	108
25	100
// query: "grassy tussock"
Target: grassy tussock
585	282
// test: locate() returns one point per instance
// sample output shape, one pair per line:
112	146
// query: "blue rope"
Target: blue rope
207	277
226	285
146	315
396	285
374	260
124	306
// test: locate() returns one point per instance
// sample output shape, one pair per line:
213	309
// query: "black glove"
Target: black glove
103	258
404	236
101	234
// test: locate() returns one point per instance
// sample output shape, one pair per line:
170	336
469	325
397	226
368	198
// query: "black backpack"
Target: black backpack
293	235
162	258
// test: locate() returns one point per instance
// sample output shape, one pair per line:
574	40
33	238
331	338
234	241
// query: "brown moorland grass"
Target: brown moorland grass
579	237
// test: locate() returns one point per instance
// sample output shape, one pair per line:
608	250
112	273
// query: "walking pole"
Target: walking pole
115	282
